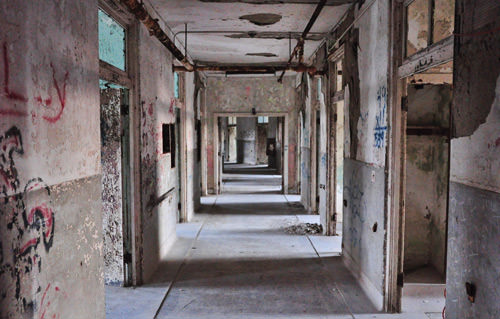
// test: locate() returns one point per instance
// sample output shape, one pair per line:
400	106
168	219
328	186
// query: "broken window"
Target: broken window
427	22
168	142
112	41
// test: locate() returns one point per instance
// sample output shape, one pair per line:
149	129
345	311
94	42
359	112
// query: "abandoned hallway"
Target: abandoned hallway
250	159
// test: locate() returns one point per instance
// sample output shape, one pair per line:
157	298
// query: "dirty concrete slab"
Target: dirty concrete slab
243	264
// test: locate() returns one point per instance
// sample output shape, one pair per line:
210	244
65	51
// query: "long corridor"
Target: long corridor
249	256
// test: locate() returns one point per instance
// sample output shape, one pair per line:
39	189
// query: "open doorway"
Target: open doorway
116	148
426	178
251	154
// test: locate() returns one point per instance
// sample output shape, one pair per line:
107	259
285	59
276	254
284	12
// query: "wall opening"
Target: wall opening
426	178
116	151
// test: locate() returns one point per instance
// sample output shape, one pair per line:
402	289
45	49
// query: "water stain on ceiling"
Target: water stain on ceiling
264	54
262	19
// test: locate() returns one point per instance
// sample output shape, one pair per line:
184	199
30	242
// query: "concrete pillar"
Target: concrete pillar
246	132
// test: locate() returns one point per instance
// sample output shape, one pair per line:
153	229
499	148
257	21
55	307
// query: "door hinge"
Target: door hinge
335	117
179	206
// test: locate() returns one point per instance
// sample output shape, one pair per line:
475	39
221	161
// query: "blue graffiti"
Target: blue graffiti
323	160
380	127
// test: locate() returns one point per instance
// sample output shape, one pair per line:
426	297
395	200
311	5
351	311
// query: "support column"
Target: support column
246	132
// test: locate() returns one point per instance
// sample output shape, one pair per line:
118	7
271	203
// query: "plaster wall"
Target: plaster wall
158	177
241	95
364	232
50	211
474	226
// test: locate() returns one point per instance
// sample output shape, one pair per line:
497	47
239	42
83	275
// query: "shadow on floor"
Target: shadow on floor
265	286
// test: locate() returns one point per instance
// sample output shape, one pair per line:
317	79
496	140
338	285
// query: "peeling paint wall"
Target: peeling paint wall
111	156
364	180
241	95
157	108
50	211
474	224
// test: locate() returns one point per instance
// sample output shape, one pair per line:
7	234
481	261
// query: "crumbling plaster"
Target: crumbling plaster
49	133
157	108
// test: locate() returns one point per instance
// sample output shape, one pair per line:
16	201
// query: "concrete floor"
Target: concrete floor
237	261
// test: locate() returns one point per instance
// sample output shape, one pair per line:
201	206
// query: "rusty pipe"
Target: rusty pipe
154	29
299	48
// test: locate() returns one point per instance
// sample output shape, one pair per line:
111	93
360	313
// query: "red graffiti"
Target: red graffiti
12	113
150	109
247	89
46	103
42	302
6	89
61	95
497	142
171	109
47	214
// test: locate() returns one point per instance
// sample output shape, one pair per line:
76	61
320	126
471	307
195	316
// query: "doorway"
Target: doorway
117	152
251	154
425	182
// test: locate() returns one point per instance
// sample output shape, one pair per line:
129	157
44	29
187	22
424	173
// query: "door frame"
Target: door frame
128	80
215	141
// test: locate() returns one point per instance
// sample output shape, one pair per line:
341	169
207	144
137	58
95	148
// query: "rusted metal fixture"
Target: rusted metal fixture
155	30
299	48
249	68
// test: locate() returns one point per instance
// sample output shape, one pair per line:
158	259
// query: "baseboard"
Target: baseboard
366	284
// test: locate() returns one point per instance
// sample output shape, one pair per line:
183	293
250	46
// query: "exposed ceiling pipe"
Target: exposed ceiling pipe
154	29
249	68
299	48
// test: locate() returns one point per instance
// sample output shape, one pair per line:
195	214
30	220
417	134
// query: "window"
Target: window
112	41
427	22
176	85
168	142
231	120
263	119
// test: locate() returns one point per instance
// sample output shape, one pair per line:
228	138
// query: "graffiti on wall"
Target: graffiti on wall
28	221
380	125
354	196
50	110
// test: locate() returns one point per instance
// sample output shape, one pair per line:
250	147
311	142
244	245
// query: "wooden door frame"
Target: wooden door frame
129	79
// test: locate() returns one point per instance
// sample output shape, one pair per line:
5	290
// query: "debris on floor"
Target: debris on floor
304	229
